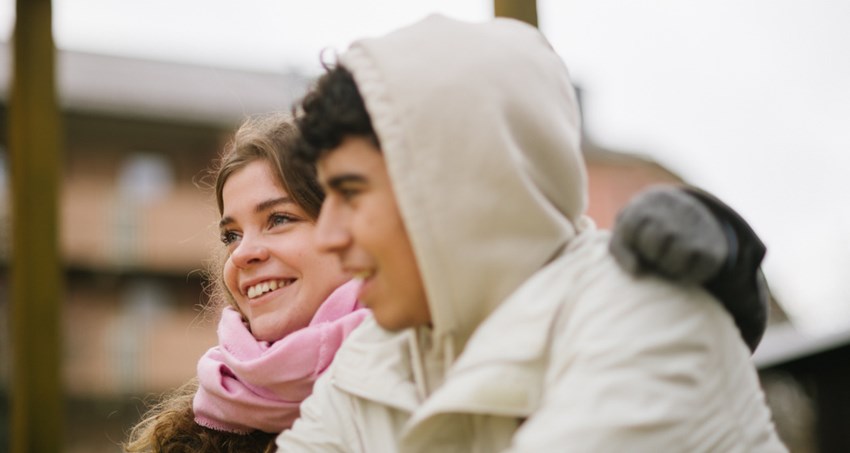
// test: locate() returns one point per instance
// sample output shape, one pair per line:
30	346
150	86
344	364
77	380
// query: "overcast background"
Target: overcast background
749	99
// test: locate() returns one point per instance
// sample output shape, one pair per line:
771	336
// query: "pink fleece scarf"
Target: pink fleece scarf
247	385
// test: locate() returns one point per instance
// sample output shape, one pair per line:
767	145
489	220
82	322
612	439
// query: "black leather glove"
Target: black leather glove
690	237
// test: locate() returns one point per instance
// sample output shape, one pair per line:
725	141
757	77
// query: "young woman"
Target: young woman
288	305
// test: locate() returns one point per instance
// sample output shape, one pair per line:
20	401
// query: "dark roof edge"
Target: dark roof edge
783	343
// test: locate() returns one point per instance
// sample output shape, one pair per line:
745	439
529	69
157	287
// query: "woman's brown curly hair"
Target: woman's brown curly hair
169	427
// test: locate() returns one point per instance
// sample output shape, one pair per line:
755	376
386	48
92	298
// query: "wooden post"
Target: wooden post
524	10
37	409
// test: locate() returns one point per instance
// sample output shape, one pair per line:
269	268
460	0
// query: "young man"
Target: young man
501	322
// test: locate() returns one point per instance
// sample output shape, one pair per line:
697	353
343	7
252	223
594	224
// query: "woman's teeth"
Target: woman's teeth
261	288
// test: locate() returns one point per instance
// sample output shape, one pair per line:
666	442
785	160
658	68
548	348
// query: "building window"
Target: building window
143	179
143	305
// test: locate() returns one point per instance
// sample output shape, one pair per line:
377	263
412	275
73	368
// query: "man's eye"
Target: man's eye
348	193
229	237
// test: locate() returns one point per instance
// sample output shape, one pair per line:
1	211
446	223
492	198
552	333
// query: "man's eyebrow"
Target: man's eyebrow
261	207
335	182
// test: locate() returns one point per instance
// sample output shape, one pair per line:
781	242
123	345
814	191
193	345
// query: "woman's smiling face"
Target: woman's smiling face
275	274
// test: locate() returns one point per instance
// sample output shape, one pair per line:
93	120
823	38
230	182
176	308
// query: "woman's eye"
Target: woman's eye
280	219
229	237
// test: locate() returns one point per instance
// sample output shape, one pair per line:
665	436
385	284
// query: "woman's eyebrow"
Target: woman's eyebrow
261	207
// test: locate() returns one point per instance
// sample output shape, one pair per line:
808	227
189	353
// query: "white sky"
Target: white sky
749	99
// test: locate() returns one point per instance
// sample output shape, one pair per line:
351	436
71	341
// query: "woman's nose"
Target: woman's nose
251	250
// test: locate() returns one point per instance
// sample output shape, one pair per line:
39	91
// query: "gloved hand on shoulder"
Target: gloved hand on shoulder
690	237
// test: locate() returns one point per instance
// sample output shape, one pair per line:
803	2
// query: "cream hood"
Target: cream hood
479	127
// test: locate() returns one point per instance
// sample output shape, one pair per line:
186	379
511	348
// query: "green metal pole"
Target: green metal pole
524	10
37	408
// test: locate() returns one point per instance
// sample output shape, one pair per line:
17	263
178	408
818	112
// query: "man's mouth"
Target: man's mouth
264	287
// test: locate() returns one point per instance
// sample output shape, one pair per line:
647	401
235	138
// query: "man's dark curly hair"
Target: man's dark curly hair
331	111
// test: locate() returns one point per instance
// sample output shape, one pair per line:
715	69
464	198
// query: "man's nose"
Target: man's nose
331	234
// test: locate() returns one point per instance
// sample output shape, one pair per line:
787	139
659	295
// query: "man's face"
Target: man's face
360	222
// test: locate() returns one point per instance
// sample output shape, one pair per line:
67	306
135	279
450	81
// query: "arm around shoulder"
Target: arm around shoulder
689	236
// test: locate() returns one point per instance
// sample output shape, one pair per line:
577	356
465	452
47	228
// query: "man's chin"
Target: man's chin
390	322
395	322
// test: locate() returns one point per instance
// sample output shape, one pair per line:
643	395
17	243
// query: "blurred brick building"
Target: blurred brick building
137	226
